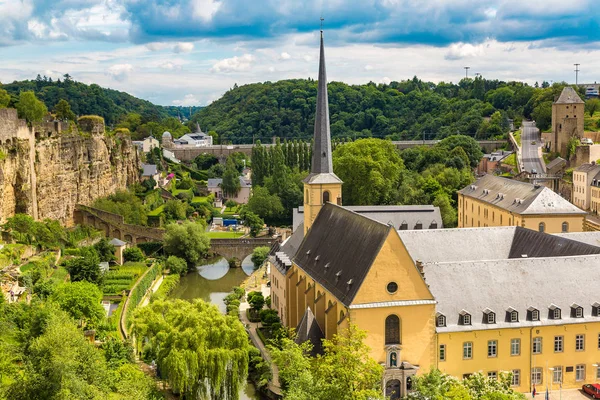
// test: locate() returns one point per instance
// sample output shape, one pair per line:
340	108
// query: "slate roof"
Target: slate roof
519	283
536	244
216	182
592	238
554	163
429	216
149	170
117	242
283	255
339	249
519	197
588	168
308	329
569	96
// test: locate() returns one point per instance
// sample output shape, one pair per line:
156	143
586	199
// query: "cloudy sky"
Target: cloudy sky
188	52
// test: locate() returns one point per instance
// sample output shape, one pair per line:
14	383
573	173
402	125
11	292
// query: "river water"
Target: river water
212	282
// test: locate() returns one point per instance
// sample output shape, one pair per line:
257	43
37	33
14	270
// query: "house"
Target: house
496	201
120	247
147	144
490	163
196	139
150	171
242	197
583	180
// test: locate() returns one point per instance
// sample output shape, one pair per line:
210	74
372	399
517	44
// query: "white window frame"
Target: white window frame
441	321
535	315
556	313
557	374
516	377
468	348
491	318
515	347
597	373
579	342
492	348
467	319
579	312
580	372
492	375
442	352
559	344
537	342
514	316
536	375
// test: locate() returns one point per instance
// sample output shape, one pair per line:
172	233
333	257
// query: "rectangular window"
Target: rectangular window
557	375
516	377
467	350
467	321
558	344
442	352
536	347
580	342
515	347
493	375
492	348
536	376
597	373
580	372
578	310
535	315
599	341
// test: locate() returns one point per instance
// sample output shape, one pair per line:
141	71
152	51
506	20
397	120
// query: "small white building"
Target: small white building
147	144
196	139
214	186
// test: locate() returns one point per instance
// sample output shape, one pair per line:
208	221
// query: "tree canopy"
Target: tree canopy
202	353
187	240
30	108
81	300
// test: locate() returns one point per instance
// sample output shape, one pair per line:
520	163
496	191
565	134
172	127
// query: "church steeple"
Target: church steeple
321	185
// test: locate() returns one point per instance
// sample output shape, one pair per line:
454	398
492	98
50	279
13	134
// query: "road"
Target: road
532	158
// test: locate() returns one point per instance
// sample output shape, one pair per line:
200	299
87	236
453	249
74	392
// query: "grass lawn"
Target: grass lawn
199	199
511	160
156	212
517	136
225	235
591	123
177	191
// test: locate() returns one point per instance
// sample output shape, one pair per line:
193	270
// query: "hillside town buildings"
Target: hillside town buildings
501	295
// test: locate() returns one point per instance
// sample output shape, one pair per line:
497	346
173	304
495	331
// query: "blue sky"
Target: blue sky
189	52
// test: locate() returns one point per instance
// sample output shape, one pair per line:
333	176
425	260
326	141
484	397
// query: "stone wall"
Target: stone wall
46	171
585	154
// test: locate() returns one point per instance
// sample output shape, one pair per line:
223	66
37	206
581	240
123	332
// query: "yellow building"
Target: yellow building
595	194
583	179
496	201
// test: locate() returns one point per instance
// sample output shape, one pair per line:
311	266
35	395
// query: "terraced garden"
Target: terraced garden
122	277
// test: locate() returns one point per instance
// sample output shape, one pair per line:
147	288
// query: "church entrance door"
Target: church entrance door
392	389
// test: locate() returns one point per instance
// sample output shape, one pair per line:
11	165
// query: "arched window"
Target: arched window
565	226
542	227
341	315
392	329
306	198
325	197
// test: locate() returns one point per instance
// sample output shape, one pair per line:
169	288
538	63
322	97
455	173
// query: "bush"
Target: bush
133	254
256	300
259	255
268	317
176	265
150	248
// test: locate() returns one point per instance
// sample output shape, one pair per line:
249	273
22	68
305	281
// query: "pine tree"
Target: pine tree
258	164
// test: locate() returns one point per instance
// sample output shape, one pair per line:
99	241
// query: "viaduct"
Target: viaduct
187	153
113	226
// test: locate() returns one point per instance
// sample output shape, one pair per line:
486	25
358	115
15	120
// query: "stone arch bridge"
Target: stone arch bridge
113	225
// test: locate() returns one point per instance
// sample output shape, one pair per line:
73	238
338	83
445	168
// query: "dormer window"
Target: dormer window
576	311
596	309
533	314
403	226
489	316
440	320
465	318
512	315
554	312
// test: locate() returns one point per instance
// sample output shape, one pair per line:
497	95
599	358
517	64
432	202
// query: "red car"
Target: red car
592	390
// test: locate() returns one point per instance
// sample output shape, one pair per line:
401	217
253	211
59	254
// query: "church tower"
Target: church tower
322	185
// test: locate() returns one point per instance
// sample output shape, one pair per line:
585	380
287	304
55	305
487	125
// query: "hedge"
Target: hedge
137	294
169	283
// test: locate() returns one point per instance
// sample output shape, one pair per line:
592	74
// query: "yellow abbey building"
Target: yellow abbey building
461	300
496	201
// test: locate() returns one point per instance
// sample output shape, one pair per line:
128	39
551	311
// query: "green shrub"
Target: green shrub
133	254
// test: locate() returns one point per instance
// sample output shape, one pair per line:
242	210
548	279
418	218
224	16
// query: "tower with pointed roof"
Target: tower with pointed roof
321	185
567	120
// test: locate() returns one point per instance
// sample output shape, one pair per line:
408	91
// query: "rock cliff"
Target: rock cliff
46	171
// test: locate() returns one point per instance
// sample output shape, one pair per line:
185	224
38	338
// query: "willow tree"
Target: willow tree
201	352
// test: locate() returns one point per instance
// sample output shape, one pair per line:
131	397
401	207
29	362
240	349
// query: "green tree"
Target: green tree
204	161
231	179
591	106
468	144
370	170
256	300
81	300
176	265
63	111
542	114
174	210
259	255
201	352
86	267
30	108
133	254
345	371
105	250
21	227
230	204
4	98
265	205
187	240
253	221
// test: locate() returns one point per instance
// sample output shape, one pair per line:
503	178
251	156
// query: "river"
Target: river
212	282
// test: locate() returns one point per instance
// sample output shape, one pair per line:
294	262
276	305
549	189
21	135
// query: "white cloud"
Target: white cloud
205	9
188	100
157	46
285	56
271	69
458	51
307	58
183	47
234	64
120	72
368	67
385	80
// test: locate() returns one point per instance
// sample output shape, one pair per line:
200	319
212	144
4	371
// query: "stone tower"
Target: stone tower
322	185
167	140
567	119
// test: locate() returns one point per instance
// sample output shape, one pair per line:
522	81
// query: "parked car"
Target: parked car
534	171
587	141
533	142
593	390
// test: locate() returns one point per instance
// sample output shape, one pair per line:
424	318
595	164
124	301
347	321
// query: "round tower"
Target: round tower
167	139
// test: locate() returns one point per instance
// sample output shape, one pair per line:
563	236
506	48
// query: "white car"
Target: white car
587	141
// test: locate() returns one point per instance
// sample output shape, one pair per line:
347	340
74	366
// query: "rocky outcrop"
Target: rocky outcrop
46	172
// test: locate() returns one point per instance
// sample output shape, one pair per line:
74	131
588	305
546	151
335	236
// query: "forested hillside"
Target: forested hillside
86	99
405	110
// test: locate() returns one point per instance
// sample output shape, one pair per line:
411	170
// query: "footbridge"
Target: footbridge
239	248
